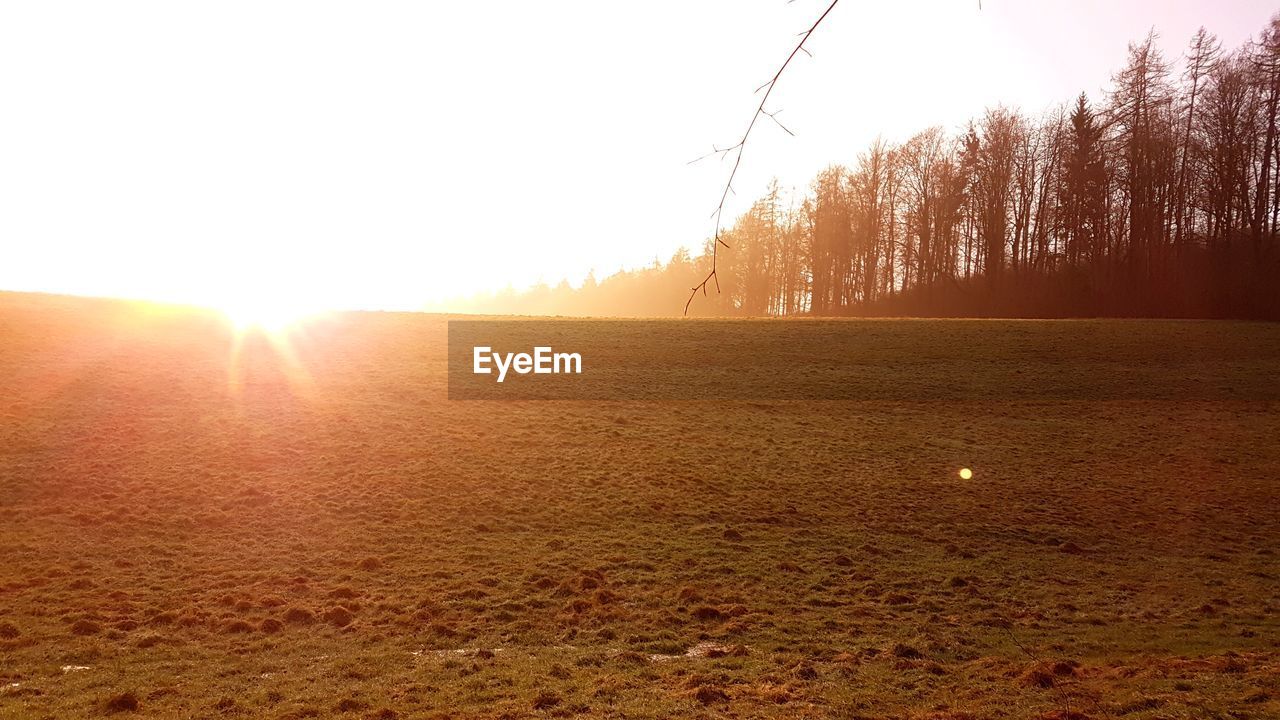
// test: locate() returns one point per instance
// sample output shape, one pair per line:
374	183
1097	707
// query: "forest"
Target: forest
1159	199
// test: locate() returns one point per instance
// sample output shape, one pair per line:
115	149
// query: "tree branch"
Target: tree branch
741	145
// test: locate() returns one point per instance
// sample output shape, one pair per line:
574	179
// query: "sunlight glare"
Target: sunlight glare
272	314
966	474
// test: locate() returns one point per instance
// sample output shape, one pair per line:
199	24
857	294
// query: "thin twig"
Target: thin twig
740	145
774	117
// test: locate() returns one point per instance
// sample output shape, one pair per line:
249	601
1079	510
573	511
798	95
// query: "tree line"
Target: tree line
1160	198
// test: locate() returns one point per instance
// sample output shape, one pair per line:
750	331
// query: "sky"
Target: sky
390	155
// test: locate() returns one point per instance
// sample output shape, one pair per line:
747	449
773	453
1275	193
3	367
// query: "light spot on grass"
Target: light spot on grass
453	652
704	650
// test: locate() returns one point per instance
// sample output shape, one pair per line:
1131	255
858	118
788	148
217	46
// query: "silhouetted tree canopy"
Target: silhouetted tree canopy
1159	199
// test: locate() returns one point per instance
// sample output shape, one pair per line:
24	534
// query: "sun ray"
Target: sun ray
271	323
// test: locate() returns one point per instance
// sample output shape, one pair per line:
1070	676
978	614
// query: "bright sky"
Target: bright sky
383	155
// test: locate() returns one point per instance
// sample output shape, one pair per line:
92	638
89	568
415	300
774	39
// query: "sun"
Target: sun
271	314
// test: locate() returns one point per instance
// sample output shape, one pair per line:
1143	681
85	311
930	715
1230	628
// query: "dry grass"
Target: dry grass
336	539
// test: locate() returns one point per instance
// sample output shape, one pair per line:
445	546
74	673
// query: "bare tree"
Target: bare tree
1201	58
741	145
1163	201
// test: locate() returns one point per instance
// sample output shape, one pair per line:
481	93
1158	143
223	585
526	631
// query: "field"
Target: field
195	525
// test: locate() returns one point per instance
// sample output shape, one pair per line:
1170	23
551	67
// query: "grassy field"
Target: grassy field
193	525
